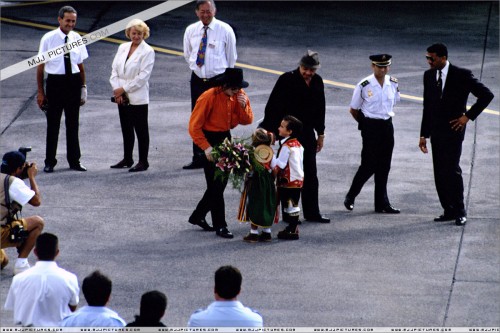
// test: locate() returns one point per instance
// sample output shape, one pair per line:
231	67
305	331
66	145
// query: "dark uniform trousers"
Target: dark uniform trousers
310	186
198	87
63	93
213	198
376	155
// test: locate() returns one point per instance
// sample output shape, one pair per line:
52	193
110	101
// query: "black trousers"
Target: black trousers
198	87
376	156
310	187
134	118
213	198
63	94
285	195
446	153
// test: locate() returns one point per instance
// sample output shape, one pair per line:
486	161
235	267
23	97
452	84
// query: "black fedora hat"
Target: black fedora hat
233	77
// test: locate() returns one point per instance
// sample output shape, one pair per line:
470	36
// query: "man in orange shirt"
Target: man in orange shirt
216	112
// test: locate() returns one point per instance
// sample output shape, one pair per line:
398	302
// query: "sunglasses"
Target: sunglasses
430	58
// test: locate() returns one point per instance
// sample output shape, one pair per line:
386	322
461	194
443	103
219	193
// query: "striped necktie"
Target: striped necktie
67	60
200	59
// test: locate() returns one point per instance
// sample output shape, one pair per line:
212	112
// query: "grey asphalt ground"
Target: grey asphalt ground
361	270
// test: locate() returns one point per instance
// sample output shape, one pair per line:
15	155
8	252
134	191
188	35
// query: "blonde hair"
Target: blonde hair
139	25
261	137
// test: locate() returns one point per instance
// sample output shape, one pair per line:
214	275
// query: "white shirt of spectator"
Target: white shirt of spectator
226	314
41	295
221	48
375	101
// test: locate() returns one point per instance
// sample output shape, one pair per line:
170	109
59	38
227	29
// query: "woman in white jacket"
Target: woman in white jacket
130	74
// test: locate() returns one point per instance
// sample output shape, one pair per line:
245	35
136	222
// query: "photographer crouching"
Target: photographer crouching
14	194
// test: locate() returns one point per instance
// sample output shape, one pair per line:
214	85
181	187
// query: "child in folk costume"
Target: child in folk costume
289	162
258	201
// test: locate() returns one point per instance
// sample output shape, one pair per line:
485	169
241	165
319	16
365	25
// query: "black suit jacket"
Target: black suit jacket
438	112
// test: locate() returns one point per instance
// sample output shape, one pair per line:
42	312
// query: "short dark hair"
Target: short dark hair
439	48
293	125
66	9
97	288
228	282
201	2
46	246
153	305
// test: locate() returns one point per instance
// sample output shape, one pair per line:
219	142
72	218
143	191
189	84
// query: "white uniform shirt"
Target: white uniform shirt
375	101
40	295
226	314
133	74
55	38
221	48
93	316
20	192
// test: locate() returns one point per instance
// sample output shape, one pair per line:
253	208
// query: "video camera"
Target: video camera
24	151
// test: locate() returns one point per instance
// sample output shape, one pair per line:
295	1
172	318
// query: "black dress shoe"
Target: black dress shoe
319	218
48	169
139	167
78	167
224	233
349	203
461	220
444	218
193	165
122	164
388	210
202	223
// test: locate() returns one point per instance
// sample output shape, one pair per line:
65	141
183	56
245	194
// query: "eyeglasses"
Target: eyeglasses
430	58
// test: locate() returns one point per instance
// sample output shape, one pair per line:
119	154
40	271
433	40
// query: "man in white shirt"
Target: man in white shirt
65	88
97	290
44	294
209	48
14	168
226	311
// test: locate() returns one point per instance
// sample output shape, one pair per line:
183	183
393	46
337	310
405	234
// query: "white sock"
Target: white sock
268	230
21	261
254	231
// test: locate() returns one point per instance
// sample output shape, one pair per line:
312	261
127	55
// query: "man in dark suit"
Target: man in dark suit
446	89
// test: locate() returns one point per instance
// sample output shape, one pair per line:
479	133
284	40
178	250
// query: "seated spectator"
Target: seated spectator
226	311
97	290
44	294
153	306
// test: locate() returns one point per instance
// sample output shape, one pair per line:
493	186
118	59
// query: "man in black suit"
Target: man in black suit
446	89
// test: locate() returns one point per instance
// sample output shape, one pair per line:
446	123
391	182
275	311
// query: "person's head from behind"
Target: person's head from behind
227	283
46	247
13	163
97	289
290	127
261	137
153	306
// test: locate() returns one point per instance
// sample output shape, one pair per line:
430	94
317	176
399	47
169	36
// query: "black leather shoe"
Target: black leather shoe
444	218
122	164
139	167
193	165
349	203
78	167
319	218
202	223
224	233
48	169
461	220
388	210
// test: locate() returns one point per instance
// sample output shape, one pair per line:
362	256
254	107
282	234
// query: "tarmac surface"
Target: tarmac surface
361	270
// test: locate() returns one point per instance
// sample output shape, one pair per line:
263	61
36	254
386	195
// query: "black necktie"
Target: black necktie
67	60
440	84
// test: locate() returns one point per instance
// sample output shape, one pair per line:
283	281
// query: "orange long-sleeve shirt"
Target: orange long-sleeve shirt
216	112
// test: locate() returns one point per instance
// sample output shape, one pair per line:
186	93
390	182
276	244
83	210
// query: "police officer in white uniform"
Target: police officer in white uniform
372	106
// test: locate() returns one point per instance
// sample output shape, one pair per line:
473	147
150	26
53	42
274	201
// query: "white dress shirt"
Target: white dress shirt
376	101
444	73
41	295
221	48
54	39
133	74
226	314
93	316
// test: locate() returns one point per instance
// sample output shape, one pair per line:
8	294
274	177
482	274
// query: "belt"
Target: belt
211	79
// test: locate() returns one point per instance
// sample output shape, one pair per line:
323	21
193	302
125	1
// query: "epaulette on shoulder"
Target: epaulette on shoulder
393	79
365	83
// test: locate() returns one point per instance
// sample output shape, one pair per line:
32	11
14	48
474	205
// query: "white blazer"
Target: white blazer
133	74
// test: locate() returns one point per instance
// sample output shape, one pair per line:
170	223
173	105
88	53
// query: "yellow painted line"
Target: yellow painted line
178	53
30	3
